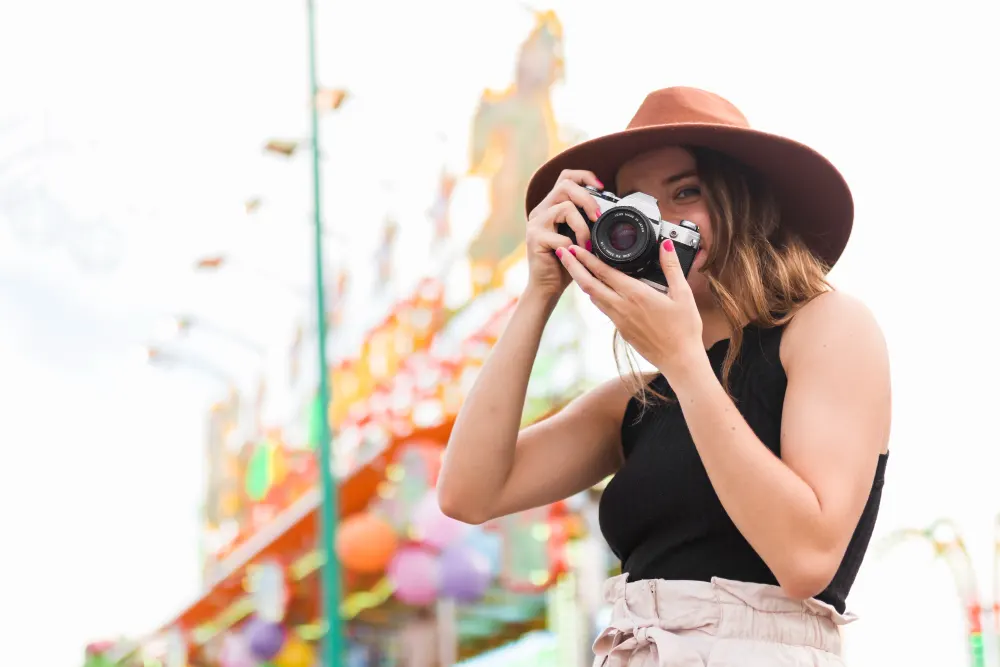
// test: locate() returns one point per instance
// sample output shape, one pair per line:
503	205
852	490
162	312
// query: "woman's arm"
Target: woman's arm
800	511
490	468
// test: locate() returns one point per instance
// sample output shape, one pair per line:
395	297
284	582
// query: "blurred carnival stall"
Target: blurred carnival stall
416	582
419	588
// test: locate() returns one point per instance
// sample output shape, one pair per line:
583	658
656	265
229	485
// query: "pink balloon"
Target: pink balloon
416	576
431	526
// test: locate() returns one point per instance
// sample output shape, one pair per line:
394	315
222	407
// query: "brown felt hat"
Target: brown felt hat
815	200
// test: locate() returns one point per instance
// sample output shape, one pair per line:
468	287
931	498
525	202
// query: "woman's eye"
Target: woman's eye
692	191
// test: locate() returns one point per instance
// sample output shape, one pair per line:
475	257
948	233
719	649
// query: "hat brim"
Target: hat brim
815	200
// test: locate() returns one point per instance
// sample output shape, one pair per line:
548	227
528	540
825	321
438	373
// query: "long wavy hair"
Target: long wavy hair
758	271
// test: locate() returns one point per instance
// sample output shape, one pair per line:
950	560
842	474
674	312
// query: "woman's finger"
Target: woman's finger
576	193
577	177
677	284
613	278
567	214
581	177
603	295
551	240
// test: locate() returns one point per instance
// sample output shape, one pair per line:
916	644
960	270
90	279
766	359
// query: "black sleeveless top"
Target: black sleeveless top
660	514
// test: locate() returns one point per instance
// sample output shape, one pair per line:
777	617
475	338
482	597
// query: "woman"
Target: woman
748	471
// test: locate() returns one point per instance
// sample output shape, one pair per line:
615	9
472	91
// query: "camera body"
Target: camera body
628	234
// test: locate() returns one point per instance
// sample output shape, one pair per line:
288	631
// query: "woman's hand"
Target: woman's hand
664	328
560	205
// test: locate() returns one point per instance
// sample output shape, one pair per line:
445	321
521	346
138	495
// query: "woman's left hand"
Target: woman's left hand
664	328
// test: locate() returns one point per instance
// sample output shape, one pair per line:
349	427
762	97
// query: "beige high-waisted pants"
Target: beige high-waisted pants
724	623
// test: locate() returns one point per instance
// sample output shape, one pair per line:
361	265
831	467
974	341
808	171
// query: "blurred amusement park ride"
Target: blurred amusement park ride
410	575
395	404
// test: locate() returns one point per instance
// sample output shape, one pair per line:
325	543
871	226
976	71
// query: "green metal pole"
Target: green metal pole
333	641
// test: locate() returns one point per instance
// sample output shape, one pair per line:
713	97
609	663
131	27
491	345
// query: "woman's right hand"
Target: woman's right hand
545	272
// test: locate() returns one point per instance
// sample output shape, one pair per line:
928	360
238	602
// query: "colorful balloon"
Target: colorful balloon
416	575
465	573
265	639
432	527
366	543
295	653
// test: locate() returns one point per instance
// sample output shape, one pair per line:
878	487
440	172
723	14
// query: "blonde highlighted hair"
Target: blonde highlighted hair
758	272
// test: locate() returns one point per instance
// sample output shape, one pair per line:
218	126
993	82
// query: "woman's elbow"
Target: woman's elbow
454	506
807	576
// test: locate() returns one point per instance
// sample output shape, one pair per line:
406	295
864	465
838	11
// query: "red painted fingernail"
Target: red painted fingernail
572	251
668	245
588	246
599	184
559	253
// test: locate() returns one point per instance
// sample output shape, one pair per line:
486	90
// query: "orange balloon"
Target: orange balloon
366	543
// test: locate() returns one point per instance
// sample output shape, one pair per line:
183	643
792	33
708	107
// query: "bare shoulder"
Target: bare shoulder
834	354
833	323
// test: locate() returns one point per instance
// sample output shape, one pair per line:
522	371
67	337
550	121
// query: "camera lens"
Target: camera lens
625	238
622	235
